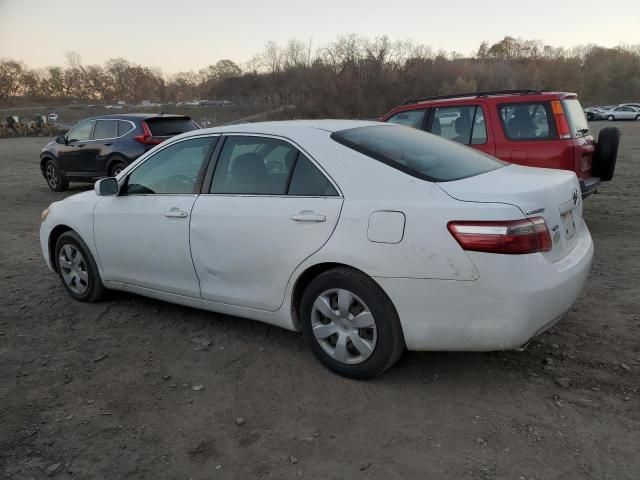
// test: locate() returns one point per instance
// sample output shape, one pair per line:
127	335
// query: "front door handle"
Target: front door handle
108	144
176	213
308	216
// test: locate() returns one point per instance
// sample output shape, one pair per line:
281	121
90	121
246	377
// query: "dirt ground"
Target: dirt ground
141	389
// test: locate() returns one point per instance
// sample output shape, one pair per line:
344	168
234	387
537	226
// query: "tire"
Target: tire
116	168
54	177
637	117
611	118
79	275
606	154
590	116
354	350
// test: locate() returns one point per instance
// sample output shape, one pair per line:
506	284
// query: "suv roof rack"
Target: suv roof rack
527	91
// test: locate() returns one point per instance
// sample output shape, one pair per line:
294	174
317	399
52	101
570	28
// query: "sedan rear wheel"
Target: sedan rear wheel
350	324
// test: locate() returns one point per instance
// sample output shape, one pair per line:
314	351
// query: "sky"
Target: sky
183	35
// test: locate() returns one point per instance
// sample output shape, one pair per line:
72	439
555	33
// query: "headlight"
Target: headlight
44	214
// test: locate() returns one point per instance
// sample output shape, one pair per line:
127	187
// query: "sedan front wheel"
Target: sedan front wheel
350	324
77	268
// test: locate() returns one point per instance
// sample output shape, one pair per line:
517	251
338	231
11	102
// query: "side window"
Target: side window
254	166
527	121
105	129
464	124
309	181
124	127
173	170
81	132
411	118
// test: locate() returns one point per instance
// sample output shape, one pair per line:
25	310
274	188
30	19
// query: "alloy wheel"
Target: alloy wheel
344	326
52	176
73	268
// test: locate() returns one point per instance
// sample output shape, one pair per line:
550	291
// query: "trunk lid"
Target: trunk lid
536	192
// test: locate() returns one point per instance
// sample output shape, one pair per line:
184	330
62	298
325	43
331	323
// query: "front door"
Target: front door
142	235
268	208
77	152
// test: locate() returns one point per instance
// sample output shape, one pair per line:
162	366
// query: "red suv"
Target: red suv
527	127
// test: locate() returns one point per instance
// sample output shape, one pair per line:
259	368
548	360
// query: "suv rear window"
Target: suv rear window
167	126
527	121
417	153
577	119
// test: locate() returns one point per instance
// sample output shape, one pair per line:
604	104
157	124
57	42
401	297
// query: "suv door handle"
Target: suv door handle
176	213
308	216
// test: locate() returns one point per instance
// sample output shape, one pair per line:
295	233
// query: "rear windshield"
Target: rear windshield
417	153
575	115
166	126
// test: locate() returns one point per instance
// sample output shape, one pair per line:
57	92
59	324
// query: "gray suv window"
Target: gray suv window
105	129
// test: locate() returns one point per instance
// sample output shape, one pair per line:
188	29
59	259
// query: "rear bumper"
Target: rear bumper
589	186
514	299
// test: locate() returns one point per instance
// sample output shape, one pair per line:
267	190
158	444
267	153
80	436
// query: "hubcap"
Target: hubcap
52	176
344	326
73	269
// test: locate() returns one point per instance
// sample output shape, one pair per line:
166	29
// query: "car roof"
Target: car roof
136	116
286	127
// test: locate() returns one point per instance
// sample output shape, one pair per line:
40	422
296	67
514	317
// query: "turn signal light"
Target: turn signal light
511	237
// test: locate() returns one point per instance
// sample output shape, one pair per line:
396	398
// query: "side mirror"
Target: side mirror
62	140
106	187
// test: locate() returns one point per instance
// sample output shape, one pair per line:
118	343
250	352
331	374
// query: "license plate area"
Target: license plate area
569	225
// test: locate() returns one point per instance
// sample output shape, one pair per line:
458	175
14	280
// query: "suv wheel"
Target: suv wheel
56	181
77	268
116	168
350	324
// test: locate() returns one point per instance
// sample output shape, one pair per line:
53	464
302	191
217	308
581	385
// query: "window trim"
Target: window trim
208	177
553	132
215	138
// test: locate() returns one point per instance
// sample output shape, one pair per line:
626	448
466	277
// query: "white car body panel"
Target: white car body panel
243	254
136	240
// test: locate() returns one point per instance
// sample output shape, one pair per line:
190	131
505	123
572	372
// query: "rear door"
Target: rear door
103	142
267	208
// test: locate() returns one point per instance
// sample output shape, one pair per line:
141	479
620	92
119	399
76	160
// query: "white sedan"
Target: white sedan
622	112
368	237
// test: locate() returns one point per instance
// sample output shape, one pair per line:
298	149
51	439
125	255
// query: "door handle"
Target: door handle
108	144
79	145
176	213
308	216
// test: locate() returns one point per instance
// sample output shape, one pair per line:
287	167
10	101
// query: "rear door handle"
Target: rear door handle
308	216
108	144
176	213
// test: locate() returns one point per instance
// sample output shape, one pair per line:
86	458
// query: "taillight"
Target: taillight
146	138
561	119
512	237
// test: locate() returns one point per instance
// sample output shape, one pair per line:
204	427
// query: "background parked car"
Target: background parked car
622	112
527	127
104	146
52	117
594	113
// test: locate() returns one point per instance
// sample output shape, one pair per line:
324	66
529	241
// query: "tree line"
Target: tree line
352	76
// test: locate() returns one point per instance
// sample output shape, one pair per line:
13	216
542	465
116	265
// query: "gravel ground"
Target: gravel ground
137	388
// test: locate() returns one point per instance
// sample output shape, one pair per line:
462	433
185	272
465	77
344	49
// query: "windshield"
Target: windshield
417	153
575	115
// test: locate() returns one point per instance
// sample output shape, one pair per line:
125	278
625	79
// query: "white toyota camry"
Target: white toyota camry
369	238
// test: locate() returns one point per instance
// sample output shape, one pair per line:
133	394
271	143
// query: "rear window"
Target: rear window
527	121
417	153
167	126
577	120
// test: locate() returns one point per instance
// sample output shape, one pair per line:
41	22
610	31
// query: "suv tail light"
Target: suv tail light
512	237
561	119
146	138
